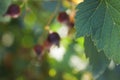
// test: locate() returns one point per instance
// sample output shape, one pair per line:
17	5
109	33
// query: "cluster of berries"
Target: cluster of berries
52	39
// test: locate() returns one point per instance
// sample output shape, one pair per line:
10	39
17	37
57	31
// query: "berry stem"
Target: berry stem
53	15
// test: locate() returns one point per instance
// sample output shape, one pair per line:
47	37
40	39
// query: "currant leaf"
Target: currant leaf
98	61
101	20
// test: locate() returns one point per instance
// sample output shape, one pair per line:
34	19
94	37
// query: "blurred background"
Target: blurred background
18	36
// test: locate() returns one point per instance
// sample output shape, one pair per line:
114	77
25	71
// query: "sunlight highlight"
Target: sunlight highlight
57	52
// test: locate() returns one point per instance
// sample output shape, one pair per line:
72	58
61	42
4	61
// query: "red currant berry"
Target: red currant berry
63	17
13	11
38	49
54	38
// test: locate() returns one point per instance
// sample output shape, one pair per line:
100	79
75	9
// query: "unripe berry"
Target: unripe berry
13	11
63	17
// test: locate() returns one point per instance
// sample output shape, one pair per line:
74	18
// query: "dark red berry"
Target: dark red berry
54	38
63	17
13	11
38	49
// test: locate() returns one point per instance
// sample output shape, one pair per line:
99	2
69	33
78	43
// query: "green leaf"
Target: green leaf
101	20
98	60
4	6
111	74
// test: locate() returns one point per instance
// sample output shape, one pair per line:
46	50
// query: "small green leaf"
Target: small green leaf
101	20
